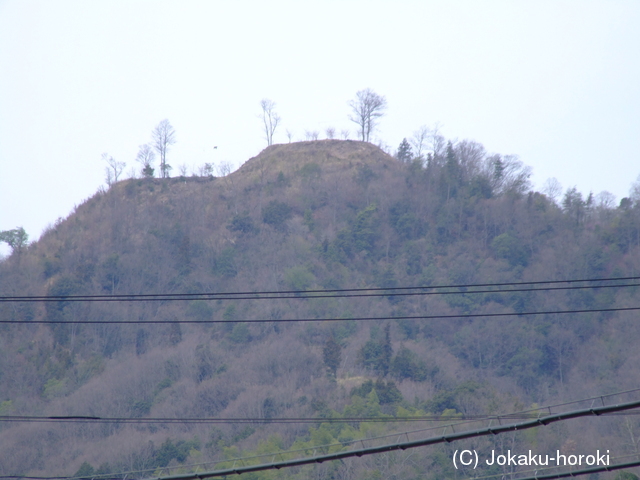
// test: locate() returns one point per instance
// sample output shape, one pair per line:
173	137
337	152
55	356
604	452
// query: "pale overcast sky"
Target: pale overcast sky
555	82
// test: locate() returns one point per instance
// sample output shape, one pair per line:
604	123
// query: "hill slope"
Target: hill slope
311	215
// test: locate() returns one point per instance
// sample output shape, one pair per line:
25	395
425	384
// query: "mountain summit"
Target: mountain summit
330	230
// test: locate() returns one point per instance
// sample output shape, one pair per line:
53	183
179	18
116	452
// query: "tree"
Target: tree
17	239
387	351
367	107
552	189
85	472
113	169
270	119
163	137
510	175
419	140
145	157
404	153
376	355
331	354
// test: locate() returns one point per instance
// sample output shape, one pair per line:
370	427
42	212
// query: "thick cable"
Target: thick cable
355	441
445	438
330	293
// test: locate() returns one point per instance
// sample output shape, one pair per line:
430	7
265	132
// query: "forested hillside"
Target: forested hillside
323	215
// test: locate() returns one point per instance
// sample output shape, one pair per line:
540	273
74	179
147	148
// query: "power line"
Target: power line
406	434
330	293
445	438
538	472
267	421
586	471
291	320
552	476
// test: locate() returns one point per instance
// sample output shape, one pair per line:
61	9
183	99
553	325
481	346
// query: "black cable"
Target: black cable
276	420
404	317
353	442
586	471
331	293
444	438
538	472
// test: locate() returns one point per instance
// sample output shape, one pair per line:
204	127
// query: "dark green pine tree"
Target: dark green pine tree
332	355
386	352
453	173
404	154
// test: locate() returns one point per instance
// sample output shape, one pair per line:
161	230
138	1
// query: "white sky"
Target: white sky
555	82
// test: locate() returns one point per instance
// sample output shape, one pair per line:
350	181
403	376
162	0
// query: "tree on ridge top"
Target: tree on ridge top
367	107
163	136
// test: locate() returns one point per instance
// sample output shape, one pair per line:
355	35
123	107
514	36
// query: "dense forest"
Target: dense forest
309	216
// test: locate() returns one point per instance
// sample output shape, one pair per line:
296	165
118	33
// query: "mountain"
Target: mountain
324	215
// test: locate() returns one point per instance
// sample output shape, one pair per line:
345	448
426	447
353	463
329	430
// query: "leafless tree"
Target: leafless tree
330	132
419	139
224	169
145	157
113	169
311	134
552	189
366	108
163	137
437	141
270	119
183	170
289	135
634	192
345	134
206	170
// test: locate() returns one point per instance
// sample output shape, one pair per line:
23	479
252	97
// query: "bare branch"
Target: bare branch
163	136
113	170
270	119
366	108
145	157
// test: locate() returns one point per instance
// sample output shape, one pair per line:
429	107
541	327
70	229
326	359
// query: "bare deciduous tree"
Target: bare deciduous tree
418	140
366	108
634	192
437	141
552	189
289	135
224	169
163	137
345	134
145	157
330	132
206	170
310	135
113	169
270	119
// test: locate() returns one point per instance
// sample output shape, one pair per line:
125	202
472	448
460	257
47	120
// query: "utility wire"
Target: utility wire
406	434
538	472
291	320
331	293
574	473
267	421
586	471
445	438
